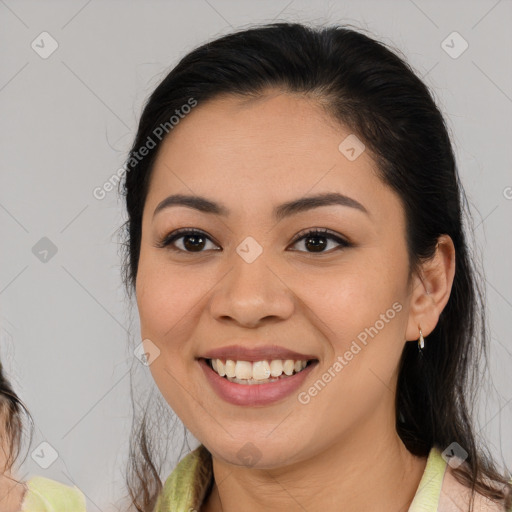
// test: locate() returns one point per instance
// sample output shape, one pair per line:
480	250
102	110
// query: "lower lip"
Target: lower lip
254	394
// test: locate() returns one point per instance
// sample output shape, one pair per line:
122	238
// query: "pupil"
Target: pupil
317	243
193	245
317	247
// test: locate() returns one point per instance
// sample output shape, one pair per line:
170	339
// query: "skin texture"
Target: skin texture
12	493
341	450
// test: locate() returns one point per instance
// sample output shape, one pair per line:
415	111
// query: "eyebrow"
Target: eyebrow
287	209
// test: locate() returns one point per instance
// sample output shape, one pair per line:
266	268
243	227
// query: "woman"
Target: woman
38	493
307	301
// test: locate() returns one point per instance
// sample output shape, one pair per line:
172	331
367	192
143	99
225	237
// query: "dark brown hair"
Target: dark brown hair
368	87
12	410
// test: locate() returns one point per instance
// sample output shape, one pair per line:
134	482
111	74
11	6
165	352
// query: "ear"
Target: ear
431	290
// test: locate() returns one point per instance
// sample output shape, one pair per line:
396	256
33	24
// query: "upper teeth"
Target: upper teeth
259	370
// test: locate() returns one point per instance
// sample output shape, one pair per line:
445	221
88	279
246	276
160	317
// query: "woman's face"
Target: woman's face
249	281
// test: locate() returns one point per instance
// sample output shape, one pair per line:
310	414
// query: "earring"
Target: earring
421	341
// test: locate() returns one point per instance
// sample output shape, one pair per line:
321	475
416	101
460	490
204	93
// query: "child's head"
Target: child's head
12	490
11	424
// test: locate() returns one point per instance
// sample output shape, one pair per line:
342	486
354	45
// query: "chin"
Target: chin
257	453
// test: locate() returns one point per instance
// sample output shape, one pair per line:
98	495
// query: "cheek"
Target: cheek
350	299
167	299
166	296
361	315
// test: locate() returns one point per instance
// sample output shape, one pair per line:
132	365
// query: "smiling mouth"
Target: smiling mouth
258	372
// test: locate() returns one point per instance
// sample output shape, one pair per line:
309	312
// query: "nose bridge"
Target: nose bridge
251	291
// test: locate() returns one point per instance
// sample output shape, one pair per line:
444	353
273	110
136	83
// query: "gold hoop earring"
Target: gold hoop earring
421	341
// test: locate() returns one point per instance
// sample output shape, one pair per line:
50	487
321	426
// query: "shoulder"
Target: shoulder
188	484
456	497
44	494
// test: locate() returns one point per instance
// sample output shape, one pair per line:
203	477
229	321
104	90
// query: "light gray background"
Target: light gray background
66	124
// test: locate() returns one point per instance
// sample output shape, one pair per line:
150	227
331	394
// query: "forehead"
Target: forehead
274	125
263	150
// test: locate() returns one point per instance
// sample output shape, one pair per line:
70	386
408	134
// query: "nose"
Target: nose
252	294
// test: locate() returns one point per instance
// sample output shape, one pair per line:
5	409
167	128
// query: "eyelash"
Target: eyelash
166	241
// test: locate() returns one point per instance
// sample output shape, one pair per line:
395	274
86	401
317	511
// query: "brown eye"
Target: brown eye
196	241
193	241
317	240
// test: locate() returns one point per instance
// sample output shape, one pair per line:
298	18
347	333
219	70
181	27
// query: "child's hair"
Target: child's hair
367	87
12	410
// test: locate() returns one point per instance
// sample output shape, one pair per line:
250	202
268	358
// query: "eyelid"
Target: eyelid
327	233
167	241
